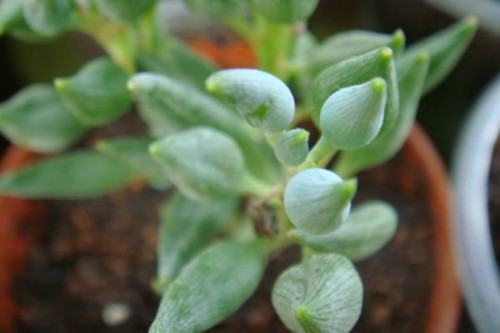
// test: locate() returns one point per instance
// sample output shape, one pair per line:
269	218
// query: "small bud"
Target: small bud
261	98
203	163
353	116
292	149
317	201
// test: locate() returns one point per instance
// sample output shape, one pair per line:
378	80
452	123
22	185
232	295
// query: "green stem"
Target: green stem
251	184
320	155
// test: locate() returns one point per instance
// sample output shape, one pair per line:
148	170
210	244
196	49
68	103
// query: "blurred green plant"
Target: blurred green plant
360	88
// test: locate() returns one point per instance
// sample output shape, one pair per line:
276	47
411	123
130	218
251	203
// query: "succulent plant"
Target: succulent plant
239	142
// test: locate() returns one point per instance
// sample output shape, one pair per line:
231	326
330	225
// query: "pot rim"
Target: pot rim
471	165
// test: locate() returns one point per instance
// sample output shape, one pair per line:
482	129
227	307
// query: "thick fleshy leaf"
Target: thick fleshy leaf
344	45
317	201
203	163
367	229
358	70
293	147
322	294
261	98
210	288
169	106
134	151
75	175
445	49
216	8
411	83
352	117
286	11
49	17
177	61
124	10
97	94
186	227
36	119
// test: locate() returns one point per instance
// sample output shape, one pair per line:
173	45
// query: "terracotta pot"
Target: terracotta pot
444	304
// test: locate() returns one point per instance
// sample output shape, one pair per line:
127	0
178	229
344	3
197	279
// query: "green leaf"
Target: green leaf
445	49
135	153
36	119
124	10
411	80
210	288
75	175
49	17
97	94
293	147
353	116
322	294
358	70
317	201
169	106
344	45
186	227
203	163
286	11
261	98
368	228
177	61
216	8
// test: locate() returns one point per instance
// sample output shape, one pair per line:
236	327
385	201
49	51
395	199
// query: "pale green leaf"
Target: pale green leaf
97	94
367	229
124	10
357	70
353	116
36	119
186	227
134	151
210	288
49	17
75	175
261	98
205	164
317	201
216	8
322	294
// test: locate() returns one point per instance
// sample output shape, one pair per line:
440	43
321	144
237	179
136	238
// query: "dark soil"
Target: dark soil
102	251
494	200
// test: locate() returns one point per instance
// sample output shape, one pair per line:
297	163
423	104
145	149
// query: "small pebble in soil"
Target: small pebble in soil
114	314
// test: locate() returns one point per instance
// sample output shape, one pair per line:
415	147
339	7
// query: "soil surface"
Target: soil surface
100	252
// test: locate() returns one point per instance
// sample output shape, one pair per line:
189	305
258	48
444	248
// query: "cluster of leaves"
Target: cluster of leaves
360	88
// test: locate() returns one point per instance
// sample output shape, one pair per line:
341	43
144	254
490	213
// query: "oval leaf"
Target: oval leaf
203	163
211	287
261	98
352	117
168	106
317	201
367	229
286	11
97	94
124	10
411	83
36	119
186	227
293	147
322	294
358	70
76	175
135	153
49	17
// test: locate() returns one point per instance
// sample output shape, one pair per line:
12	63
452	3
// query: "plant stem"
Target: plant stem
320	155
